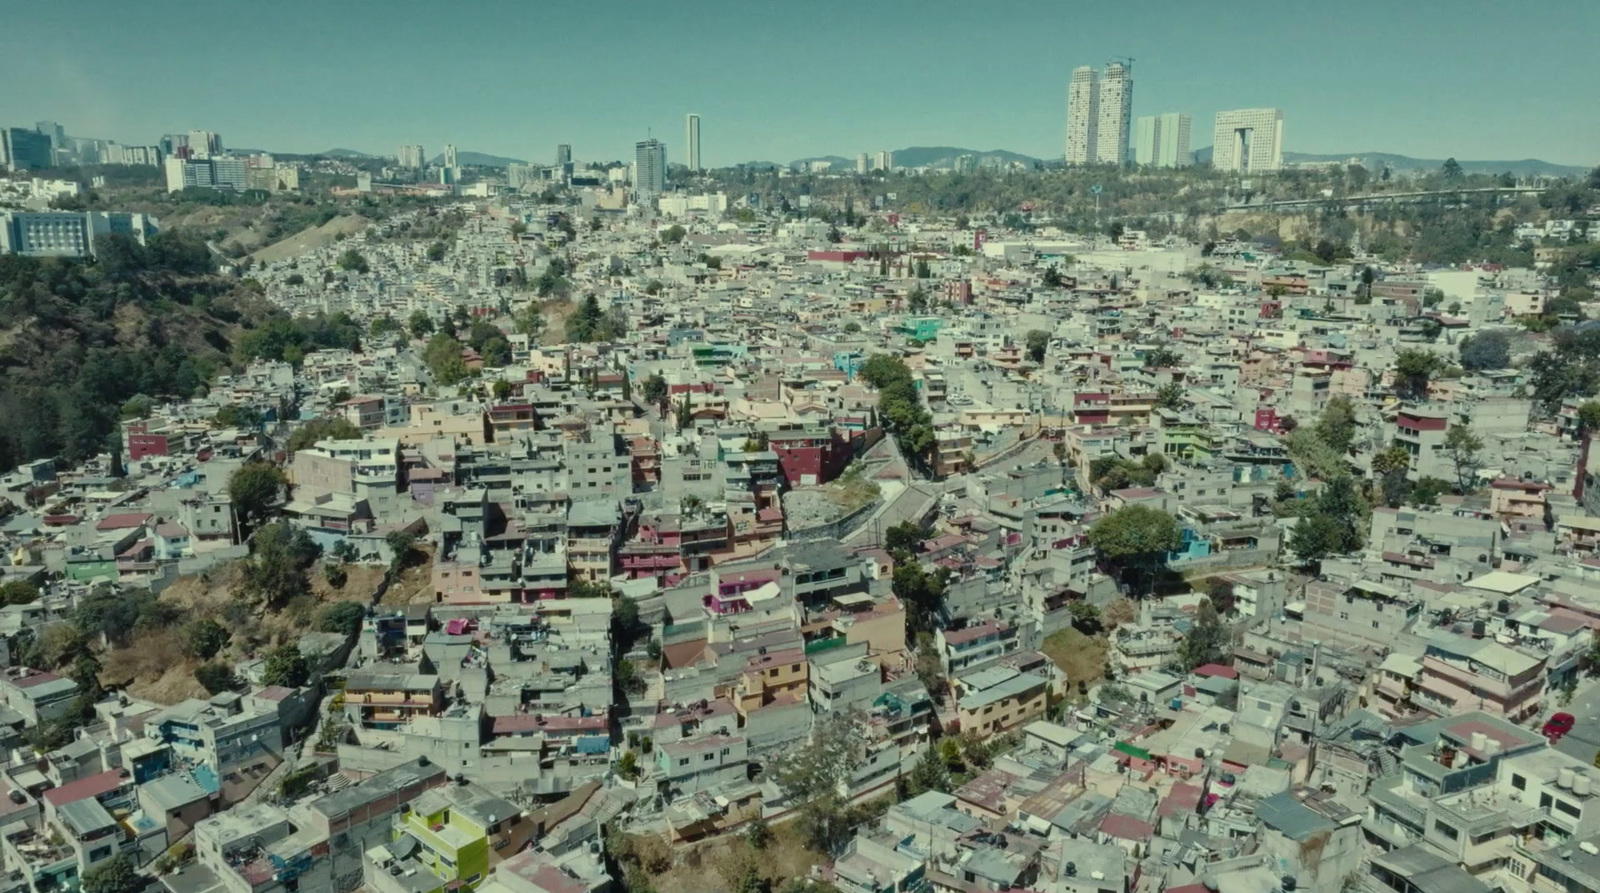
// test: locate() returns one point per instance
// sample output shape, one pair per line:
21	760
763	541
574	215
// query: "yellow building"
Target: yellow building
453	827
995	699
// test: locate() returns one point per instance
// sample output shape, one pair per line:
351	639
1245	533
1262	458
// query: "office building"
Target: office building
1162	140
1248	141
1083	112
204	144
884	161
411	157
861	163
23	149
1114	109
230	172
56	133
694	143
174	145
563	154
650	167
67	233
966	164
450	159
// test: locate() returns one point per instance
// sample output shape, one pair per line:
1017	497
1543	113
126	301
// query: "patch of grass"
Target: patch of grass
1081	657
852	490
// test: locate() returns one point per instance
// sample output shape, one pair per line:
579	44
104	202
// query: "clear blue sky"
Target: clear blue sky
779	81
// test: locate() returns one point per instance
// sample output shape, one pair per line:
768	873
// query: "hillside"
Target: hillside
78	341
1404	164
311	239
937	157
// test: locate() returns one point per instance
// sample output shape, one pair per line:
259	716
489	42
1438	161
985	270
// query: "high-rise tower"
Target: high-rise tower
693	126
1083	110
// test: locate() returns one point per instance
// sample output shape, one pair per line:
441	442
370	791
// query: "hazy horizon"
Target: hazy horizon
829	79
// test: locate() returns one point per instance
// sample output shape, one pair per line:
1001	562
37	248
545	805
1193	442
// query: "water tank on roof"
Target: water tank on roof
1582	784
1564	779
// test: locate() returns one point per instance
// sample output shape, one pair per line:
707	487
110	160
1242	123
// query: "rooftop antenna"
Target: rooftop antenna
1127	61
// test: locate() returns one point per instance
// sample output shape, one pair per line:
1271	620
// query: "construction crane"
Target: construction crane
1127	61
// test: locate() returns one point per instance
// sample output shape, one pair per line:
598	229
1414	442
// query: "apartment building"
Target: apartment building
1461	673
995	699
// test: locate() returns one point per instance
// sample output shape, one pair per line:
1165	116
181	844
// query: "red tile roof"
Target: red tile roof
1216	670
123	521
1126	827
84	788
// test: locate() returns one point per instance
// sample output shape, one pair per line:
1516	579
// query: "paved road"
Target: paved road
1583	741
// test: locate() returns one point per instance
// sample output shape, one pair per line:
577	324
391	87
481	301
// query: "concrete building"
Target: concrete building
1114	109
693	139
1248	141
1083	112
1162	140
862	163
650	167
67	233
23	149
884	161
450	159
411	157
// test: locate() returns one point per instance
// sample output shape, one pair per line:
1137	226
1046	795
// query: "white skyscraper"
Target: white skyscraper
694	142
1083	112
1173	149
1248	141
861	163
650	167
884	161
450	156
1162	140
1115	109
411	157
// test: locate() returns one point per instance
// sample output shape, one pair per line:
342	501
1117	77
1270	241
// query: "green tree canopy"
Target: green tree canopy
279	558
254	490
286	666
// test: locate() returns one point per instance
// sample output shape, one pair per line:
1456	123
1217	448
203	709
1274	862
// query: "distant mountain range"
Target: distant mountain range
936	157
466	159
944	158
1401	164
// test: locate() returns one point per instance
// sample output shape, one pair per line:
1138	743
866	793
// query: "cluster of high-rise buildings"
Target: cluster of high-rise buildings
1098	110
47	145
1099	106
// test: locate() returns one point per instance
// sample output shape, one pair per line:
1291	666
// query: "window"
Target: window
1445	830
684	761
1569	809
706	758
1519	782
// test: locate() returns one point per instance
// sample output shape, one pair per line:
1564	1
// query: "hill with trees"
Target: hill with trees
79	340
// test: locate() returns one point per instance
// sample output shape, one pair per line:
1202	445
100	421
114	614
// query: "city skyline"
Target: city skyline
367	93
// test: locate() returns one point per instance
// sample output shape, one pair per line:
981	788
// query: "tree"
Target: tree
1052	277
1336	427
654	390
1413	368
344	618
276	568
1037	341
917	301
286	666
443	358
672	235
1490	350
202	638
352	261
1463	446
1162	358
1170	396
929	669
529	321
903	540
119	874
215	677
18	592
1391	466
1208	640
1333	525
1135	536
420	324
322	429
929	774
758	834
254	489
401	544
1427	491
1451	169
810	776
1315	537
627	677
501	390
920	592
1588	417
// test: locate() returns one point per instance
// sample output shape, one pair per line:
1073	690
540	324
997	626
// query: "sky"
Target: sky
781	81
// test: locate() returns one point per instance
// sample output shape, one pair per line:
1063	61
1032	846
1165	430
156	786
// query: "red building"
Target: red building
142	442
809	458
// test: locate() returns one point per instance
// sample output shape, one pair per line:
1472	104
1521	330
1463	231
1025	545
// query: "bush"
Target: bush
203	638
336	576
216	677
341	617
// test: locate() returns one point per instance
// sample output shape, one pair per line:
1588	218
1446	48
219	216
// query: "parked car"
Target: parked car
1558	725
